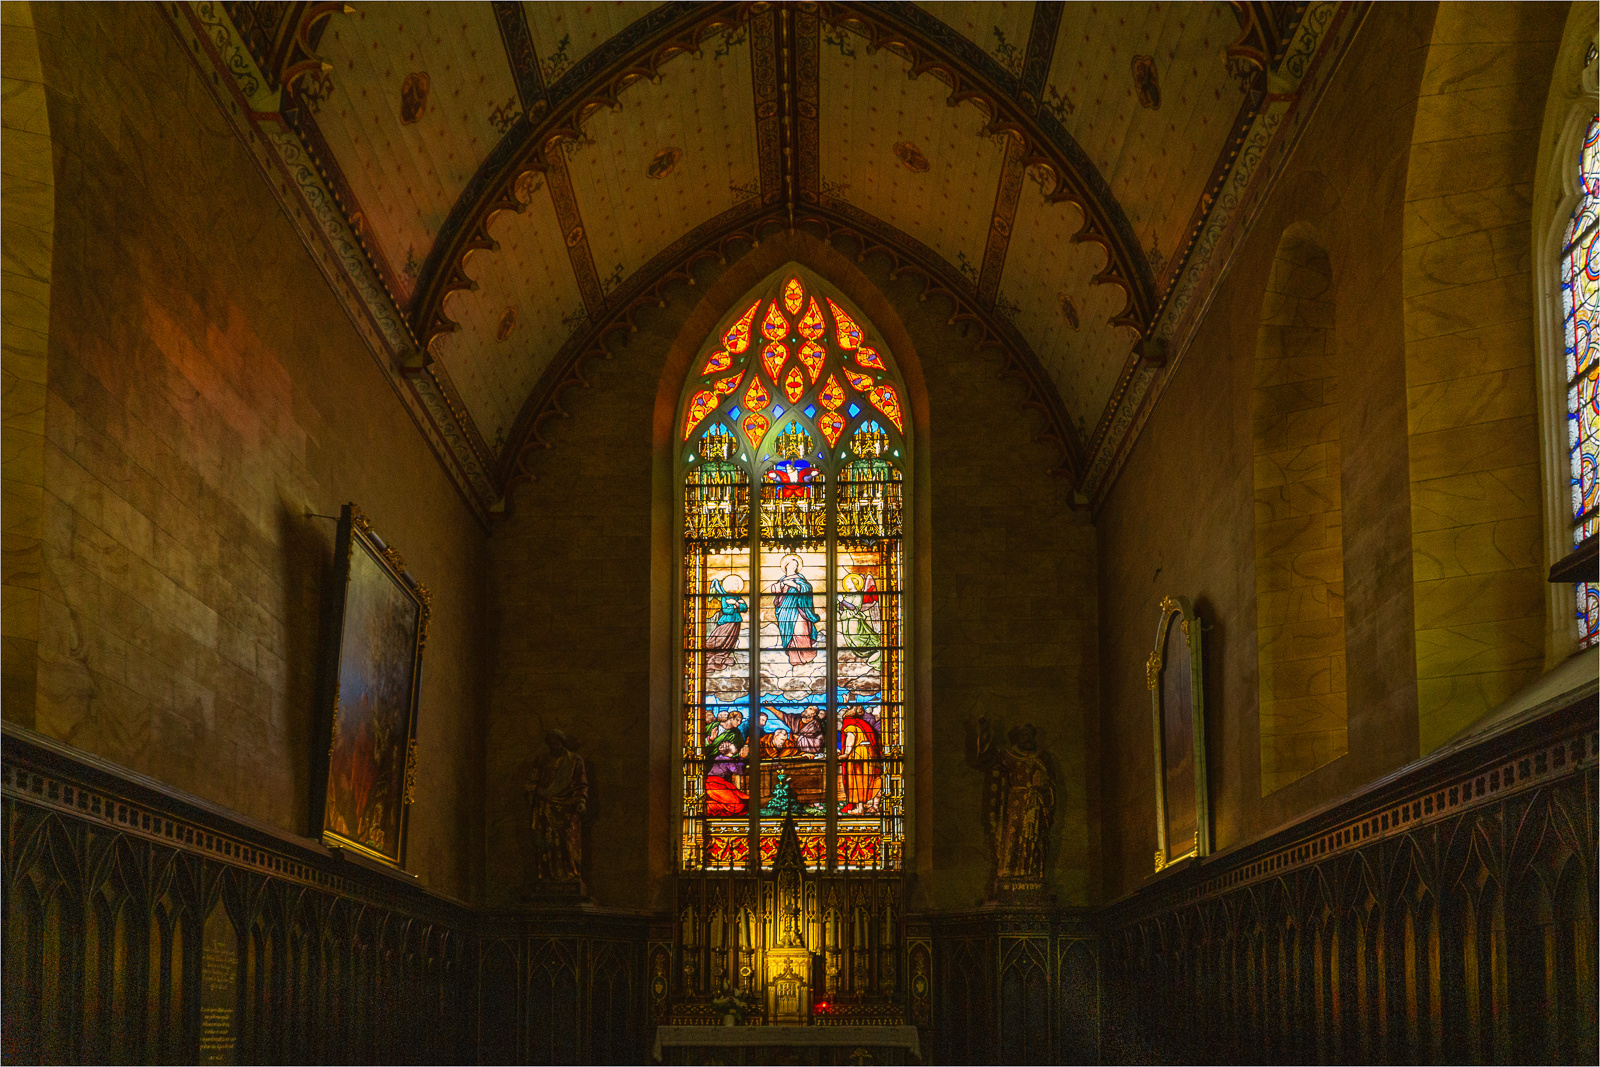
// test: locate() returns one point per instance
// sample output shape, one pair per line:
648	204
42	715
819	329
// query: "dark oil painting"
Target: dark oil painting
378	668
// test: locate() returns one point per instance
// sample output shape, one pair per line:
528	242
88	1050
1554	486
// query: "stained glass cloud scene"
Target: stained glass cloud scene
794	451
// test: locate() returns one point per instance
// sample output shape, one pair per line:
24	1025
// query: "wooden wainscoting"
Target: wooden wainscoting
1445	914
143	925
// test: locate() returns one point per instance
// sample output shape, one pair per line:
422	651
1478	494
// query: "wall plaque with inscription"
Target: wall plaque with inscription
219	989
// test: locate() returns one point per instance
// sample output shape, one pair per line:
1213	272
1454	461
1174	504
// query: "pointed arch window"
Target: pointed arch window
792	436
1580	307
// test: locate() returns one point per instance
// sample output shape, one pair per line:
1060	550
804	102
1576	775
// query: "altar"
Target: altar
787	1044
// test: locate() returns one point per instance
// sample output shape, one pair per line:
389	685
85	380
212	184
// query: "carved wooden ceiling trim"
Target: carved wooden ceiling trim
555	116
973	77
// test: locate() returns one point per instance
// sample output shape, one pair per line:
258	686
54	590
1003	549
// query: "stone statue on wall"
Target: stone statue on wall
558	796
1019	803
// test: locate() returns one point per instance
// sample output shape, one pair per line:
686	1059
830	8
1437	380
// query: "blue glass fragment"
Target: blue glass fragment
811	411
733	412
855	409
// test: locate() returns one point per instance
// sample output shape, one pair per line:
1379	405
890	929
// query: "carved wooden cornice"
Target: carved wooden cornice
283	37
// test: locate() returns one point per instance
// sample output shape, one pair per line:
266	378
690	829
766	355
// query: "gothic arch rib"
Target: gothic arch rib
552	114
713	240
556	113
1013	110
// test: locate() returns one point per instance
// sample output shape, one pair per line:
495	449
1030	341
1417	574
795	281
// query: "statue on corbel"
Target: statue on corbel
558	798
1019	808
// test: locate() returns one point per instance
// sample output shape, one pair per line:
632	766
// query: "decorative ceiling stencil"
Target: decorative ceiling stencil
531	270
1079	348
418	95
1000	29
677	152
565	33
1145	91
891	146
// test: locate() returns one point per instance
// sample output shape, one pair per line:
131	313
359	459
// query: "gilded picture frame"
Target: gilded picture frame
1175	675
374	631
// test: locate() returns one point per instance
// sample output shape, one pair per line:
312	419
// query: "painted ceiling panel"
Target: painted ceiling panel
1046	287
1156	140
891	146
678	152
1001	29
526	306
565	33
418	95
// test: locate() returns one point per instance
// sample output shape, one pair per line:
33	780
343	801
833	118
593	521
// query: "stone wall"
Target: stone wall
1181	518
27	237
582	585
205	391
1471	385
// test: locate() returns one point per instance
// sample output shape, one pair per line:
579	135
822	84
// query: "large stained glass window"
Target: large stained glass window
1580	299
792	434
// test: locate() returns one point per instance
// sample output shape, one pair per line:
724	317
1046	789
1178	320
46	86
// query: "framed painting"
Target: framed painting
375	629
1177	701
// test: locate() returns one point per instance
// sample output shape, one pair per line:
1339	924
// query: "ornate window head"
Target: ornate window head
793	448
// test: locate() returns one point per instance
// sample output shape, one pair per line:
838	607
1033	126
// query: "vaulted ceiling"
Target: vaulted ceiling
492	186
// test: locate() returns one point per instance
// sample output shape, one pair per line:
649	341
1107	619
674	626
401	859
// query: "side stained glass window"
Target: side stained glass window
1580	299
792	436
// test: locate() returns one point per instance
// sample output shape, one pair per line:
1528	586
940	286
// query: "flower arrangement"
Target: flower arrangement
732	1007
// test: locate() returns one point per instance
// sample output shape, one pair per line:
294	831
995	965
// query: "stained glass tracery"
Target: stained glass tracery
1580	293
793	616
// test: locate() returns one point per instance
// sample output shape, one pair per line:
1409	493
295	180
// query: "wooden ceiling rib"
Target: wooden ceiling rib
518	176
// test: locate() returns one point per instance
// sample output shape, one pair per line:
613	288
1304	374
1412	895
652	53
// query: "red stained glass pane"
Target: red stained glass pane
717	362
772	357
861	381
832	395
813	356
886	400
868	357
755	427
831	424
774	327
702	405
794	385
726	385
850	335
737	339
812	326
756	397
793	296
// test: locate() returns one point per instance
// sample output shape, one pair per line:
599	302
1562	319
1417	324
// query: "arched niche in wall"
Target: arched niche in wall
1299	551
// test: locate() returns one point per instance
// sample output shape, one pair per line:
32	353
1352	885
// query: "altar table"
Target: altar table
787	1044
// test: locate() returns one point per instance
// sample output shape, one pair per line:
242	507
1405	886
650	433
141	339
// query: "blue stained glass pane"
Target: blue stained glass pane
776	413
733	413
855	409
811	411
